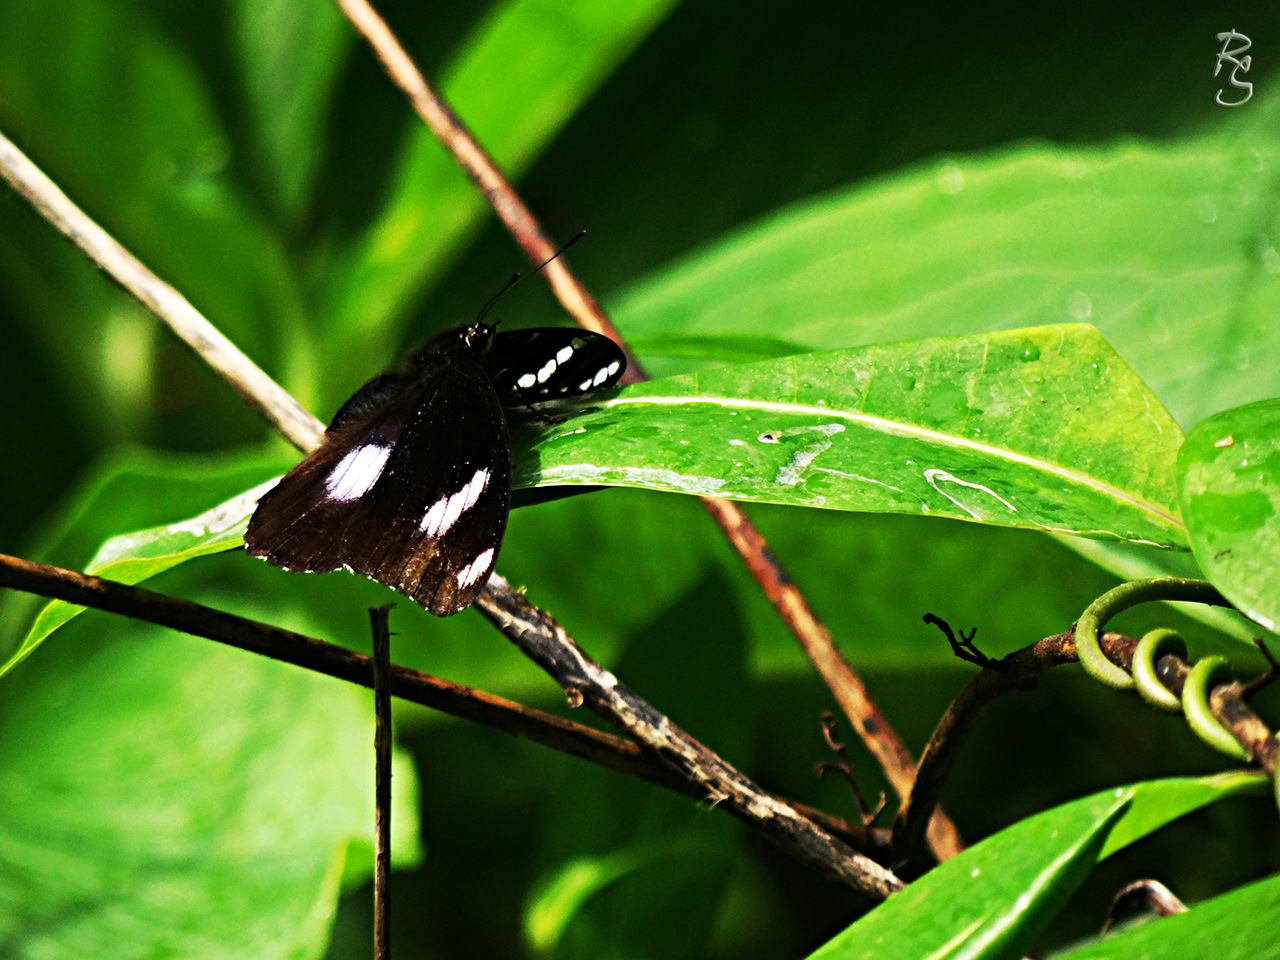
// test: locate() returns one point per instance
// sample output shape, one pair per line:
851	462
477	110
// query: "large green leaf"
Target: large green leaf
1229	481
992	900
1026	428
1162	246
1044	427
1167	246
166	797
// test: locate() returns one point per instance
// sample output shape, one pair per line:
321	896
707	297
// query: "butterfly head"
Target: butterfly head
478	336
471	341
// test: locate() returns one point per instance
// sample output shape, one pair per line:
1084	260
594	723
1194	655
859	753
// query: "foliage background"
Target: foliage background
255	156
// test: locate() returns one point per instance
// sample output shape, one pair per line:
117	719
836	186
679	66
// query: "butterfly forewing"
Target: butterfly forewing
411	487
412	483
545	363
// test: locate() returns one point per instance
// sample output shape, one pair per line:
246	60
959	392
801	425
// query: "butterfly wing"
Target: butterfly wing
410	487
544	363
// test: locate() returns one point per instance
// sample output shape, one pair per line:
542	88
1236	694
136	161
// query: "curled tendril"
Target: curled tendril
1204	675
1151	648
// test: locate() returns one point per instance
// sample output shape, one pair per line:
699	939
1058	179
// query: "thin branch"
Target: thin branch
849	690
1021	670
379	621
331	660
545	642
1230	707
243	375
567	737
446	126
844	767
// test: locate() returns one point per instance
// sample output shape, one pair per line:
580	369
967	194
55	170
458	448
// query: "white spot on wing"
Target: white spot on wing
444	513
547	370
526	381
475	487
357	472
431	520
601	376
474	570
563	354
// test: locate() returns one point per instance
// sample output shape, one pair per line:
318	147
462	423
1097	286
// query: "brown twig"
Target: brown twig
331	660
844	767
849	690
475	161
1021	670
242	374
379	621
1149	893
545	642
1230	707
574	739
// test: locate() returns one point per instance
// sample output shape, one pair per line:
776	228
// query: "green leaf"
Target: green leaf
1168	243
1026	428
131	558
992	900
1044	428
1161	245
301	47
1229	483
1240	925
1161	801
164	796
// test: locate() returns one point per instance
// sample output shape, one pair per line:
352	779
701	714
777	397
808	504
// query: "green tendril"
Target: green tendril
1121	598
1205	675
1151	648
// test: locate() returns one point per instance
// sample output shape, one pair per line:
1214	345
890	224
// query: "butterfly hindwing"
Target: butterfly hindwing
456	452
412	483
410	487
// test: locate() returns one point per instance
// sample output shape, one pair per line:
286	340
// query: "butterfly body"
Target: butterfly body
411	485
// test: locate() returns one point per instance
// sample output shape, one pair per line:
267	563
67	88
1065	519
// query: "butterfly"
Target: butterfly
411	484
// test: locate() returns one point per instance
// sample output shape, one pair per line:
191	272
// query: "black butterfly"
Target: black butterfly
412	483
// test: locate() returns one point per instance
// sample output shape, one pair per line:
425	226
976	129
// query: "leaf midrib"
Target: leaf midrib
911	430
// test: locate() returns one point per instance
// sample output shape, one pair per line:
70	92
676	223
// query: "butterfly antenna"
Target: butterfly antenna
517	277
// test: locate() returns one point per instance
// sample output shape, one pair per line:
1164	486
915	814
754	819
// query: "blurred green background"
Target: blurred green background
812	175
